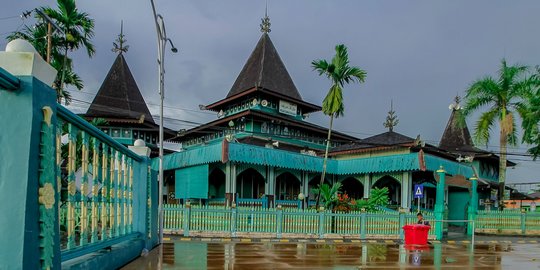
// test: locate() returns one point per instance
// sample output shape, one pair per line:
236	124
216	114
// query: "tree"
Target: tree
328	194
340	73
78	30
531	117
504	97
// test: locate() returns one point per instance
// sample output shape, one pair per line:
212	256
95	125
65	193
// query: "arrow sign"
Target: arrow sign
418	191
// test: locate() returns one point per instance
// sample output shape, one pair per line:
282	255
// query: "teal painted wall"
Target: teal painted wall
457	206
20	119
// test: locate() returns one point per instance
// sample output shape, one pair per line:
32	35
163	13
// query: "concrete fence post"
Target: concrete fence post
29	195
279	220
234	219
321	222
401	222
187	218
523	221
363	222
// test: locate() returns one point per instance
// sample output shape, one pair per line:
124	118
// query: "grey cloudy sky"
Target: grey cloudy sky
419	54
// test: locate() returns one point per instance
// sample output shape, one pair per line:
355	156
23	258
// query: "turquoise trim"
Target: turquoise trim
82	124
433	163
8	81
256	155
198	156
383	164
278	158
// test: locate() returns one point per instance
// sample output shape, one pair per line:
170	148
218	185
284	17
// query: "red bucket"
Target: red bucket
416	234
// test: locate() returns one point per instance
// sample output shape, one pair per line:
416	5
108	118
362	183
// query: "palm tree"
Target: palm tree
78	30
340	73
504	97
531	118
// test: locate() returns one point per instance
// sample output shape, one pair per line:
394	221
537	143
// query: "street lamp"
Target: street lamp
162	40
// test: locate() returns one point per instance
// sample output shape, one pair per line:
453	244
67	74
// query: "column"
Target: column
367	185
305	189
229	184
271	182
439	203
473	204
406	183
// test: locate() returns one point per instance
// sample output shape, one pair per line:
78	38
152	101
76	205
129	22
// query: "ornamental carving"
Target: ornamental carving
46	196
72	189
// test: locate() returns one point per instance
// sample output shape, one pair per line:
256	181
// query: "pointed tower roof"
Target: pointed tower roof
265	69
456	136
119	96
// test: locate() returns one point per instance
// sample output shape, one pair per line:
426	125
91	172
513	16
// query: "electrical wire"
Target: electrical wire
214	129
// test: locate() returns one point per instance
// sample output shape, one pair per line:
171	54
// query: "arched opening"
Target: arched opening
216	184
353	187
314	183
250	184
394	189
287	187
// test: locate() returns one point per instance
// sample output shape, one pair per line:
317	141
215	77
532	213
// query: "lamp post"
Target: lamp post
162	40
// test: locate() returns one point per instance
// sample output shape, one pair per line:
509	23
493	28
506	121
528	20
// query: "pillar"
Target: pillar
28	197
473	205
305	189
439	204
270	188
406	183
230	183
367	185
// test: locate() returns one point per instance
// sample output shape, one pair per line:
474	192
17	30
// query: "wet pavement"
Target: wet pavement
237	255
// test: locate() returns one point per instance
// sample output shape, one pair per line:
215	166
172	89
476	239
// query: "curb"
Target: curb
172	238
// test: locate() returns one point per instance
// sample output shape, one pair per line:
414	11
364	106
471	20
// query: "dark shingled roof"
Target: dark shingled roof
119	95
457	140
456	137
264	69
389	138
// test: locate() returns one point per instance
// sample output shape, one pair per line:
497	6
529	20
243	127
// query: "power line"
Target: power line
147	103
215	129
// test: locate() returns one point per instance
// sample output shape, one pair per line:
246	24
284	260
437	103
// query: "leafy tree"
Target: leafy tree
340	73
504	97
378	197
78	30
329	194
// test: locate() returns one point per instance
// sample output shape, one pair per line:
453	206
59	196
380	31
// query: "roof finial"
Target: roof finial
119	46
455	106
391	119
265	22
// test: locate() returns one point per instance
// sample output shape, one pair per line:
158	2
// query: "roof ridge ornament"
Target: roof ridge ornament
455	106
118	45
391	119
265	21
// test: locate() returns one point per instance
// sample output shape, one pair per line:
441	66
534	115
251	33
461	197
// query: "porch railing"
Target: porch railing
274	222
95	179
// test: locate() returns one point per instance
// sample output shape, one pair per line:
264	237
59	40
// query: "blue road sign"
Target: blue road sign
418	191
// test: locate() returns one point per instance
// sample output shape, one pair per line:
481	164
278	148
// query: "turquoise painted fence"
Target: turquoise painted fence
279	221
507	222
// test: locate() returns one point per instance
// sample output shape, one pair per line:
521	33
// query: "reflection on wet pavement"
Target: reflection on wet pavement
200	255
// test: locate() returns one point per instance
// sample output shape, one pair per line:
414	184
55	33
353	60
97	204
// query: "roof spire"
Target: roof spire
119	46
265	21
391	119
455	106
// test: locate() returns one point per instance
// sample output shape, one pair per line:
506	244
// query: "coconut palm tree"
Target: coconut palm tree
504	98
78	30
340	73
531	118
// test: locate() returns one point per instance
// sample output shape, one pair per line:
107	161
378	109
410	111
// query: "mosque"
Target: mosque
261	150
